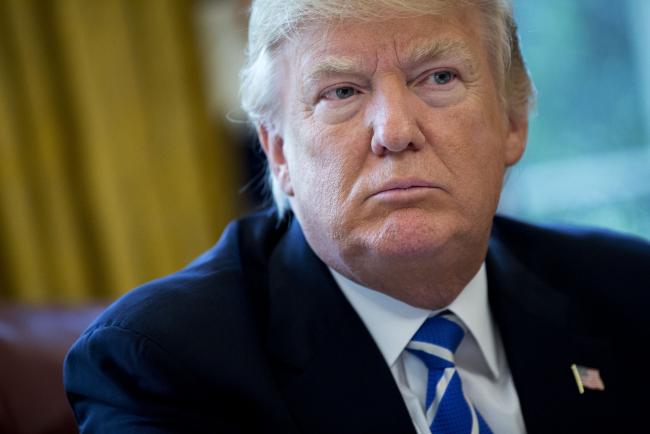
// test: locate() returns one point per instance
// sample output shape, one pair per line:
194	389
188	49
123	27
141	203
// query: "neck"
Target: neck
430	283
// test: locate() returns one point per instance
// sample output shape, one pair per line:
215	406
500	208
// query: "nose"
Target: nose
394	121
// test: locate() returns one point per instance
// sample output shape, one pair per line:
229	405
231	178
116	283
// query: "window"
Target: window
588	156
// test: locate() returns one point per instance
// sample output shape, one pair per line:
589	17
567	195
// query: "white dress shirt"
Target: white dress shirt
480	357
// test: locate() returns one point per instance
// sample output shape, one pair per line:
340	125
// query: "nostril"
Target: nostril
392	139
376	146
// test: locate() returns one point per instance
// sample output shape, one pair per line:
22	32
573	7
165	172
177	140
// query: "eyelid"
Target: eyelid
322	95
424	76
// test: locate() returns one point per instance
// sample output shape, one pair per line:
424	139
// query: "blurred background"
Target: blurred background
123	154
588	156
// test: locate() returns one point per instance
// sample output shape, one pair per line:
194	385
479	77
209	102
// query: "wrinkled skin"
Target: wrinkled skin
393	152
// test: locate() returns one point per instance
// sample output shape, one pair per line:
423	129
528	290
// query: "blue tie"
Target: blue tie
447	409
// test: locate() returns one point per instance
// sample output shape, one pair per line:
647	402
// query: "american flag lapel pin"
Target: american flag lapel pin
587	378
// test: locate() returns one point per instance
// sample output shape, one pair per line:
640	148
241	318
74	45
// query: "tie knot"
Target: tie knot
436	341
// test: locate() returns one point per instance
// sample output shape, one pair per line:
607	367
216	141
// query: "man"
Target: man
381	295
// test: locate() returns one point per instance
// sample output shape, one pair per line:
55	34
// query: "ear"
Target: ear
516	138
273	145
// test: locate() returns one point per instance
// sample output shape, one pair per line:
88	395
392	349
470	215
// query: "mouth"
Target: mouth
403	189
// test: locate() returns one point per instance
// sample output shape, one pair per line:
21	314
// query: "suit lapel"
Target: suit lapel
327	365
334	378
537	325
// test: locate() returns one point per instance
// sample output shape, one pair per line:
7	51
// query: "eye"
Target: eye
343	92
442	77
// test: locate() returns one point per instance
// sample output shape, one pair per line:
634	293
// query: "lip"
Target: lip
399	187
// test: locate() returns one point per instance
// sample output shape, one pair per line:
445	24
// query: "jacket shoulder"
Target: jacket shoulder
160	357
599	266
221	291
585	245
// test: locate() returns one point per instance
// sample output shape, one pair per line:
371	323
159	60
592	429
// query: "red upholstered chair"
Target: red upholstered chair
33	343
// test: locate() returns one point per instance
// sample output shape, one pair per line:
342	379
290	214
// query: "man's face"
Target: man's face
392	143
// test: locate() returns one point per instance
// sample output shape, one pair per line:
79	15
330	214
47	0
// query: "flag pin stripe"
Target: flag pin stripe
587	378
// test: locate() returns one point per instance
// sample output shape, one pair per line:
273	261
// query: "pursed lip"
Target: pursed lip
405	184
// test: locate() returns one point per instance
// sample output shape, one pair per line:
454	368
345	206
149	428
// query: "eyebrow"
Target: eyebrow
444	48
333	66
436	49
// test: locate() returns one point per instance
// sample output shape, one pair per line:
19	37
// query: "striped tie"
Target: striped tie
447	409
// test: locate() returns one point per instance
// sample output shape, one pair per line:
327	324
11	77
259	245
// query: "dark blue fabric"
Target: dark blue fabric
255	336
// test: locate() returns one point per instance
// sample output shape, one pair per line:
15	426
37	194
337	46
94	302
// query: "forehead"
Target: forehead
363	45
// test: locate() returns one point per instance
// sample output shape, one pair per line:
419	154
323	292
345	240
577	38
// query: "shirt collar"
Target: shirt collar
392	323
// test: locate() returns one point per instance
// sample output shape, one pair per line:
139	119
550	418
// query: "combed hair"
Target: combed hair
273	22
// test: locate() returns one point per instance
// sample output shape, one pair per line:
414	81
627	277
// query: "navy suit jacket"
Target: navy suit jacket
255	336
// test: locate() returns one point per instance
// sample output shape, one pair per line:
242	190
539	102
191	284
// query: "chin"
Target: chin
414	233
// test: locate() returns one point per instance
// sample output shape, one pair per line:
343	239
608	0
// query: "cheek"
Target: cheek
329	161
471	144
479	129
317	170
